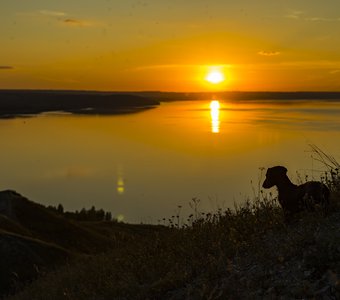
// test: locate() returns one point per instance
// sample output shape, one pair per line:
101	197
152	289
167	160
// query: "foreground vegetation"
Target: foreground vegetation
245	253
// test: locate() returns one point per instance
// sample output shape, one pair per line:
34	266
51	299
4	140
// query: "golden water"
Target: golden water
142	166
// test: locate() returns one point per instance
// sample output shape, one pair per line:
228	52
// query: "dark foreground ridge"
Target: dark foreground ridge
35	239
246	253
21	102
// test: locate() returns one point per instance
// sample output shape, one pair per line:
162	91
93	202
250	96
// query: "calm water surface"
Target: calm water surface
143	166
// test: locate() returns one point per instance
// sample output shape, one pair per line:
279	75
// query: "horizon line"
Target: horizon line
159	91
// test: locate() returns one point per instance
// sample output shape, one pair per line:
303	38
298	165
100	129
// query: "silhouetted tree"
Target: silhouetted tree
108	216
100	215
60	209
83	215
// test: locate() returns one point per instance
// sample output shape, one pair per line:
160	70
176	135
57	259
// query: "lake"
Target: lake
143	166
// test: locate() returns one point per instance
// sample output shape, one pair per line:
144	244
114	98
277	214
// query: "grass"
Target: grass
244	253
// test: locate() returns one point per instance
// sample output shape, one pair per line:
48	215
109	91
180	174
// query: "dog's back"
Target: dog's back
314	193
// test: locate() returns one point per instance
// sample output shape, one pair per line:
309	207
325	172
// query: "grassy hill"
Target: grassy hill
25	258
249	252
36	221
35	239
246	253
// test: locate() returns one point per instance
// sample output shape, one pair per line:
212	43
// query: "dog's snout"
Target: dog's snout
265	184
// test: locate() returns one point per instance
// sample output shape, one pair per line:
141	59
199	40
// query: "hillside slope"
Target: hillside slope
34	239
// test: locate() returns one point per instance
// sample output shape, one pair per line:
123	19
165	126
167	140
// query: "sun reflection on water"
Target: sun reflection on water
215	116
120	183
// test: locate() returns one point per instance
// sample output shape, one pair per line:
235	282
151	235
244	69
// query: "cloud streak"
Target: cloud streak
176	66
76	22
6	67
300	15
295	14
59	17
319	19
269	53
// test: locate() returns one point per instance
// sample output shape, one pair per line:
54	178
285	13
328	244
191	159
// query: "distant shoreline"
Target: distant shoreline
241	96
16	103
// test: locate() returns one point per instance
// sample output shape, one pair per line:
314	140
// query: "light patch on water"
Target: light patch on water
120	218
120	182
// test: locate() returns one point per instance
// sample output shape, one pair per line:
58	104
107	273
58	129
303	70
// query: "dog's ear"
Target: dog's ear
284	170
279	169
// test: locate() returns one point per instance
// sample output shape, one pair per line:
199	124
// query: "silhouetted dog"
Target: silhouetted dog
296	198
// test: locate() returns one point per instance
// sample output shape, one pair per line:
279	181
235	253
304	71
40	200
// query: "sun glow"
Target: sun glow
215	77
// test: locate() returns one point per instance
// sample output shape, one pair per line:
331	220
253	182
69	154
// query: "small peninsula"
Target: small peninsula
15	103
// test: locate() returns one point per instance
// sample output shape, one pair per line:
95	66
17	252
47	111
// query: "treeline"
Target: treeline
84	214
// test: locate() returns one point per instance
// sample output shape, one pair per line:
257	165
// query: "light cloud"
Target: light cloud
77	23
269	53
294	14
6	67
331	67
155	67
300	15
43	13
319	19
176	66
59	17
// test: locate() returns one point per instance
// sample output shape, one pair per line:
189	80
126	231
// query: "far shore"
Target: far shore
23	103
16	103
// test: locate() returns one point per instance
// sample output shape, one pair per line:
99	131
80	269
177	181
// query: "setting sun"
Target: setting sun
215	77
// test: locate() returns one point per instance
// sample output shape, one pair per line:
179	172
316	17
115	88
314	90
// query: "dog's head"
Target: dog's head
273	176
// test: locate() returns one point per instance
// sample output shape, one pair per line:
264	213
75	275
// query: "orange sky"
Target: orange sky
170	45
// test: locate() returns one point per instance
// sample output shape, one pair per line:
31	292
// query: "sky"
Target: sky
128	45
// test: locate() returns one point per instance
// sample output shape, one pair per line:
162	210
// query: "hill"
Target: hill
34	239
246	253
33	220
